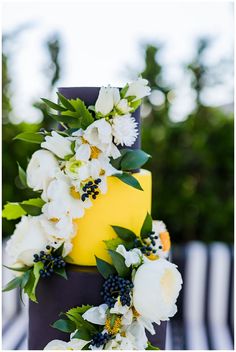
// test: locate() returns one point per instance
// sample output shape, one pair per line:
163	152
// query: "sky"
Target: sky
102	45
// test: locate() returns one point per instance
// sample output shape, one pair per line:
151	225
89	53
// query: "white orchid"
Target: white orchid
41	170
99	134
156	288
139	89
28	238
124	130
107	99
96	315
58	145
132	257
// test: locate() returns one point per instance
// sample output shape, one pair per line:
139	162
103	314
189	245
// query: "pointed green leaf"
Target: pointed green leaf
22	176
129	180
134	159
147	226
53	105
25	279
124	91
83	334
31	137
23	269
65	102
61	272
113	243
78	310
64	325
63	118
12	211
105	268
59	250
16	282
123	233
31	209
36	202
119	263
151	347
28	288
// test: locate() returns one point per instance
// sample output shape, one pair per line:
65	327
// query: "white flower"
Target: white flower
123	106
96	315
138	88
137	330
99	134
156	288
158	227
28	238
106	100
56	345
124	130
132	257
119	308
76	344
121	343
60	146
76	169
41	170
64	200
162	242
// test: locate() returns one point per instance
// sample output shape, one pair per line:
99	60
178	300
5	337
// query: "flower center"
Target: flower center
113	325
74	193
54	220
102	172
94	152
152	256
135	313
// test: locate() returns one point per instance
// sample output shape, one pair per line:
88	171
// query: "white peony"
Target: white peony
28	238
124	130
132	257
139	89
106	100
41	170
99	134
156	288
74	344
96	315
57	144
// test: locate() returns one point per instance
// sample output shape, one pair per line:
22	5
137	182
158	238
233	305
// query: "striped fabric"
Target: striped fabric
205	316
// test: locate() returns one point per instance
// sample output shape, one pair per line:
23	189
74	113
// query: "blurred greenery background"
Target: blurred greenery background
192	160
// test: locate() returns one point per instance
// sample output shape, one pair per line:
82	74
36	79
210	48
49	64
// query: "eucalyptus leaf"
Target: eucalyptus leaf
129	180
119	263
105	268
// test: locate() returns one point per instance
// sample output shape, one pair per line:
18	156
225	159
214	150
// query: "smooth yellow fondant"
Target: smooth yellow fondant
122	205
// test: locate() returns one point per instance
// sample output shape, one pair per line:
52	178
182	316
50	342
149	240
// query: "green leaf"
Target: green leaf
65	102
116	163
134	159
64	325
124	91
151	347
83	333
105	268
32	206
25	278
82	117
129	180
16	282
119	263
59	250
34	281
28	288
22	176
135	104
147	226
63	118
26	268
113	243
31	137
13	211
123	233
61	272
78	310
53	105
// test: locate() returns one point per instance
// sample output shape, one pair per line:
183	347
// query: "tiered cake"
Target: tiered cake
93	227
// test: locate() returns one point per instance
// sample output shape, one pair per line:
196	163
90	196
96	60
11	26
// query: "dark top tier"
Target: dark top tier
89	96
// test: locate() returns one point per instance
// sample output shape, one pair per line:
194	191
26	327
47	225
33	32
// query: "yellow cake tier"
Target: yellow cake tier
122	205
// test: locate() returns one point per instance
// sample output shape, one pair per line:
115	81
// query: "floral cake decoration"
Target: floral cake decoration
67	174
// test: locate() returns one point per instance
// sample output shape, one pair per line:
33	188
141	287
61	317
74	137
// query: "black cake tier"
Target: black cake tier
57	295
89	96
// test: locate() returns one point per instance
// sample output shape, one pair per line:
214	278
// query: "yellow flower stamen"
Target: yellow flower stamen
152	256
113	328
94	152
74	193
123	334
135	313
165	241
102	172
54	220
84	141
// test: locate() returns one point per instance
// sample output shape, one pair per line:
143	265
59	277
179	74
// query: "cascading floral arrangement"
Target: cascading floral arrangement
67	174
141	288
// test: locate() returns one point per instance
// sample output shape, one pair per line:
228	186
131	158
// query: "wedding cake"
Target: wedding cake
86	251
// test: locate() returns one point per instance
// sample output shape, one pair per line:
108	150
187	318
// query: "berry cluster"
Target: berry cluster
115	287
147	247
50	261
100	339
90	189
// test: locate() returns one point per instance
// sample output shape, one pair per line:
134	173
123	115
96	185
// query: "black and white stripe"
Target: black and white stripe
205	306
